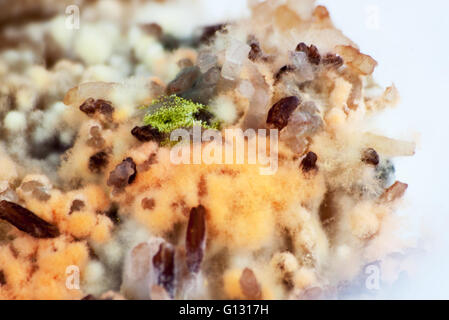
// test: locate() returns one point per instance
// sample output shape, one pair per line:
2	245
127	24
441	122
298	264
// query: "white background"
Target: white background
410	41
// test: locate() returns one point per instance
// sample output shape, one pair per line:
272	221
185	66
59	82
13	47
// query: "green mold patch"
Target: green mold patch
172	112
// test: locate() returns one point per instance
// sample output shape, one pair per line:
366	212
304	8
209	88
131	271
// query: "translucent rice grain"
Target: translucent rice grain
206	60
235	55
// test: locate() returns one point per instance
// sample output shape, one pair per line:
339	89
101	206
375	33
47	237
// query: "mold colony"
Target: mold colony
139	226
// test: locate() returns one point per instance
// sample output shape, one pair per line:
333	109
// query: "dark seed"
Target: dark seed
123	174
184	80
249	285
104	107
148	203
147	133
77	205
204	88
2	278
26	221
332	60
98	161
280	73
314	56
311	51
164	263
152	29
302	47
370	156
88	297
196	238
309	162
255	52
209	32
281	111
210	78
88	106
